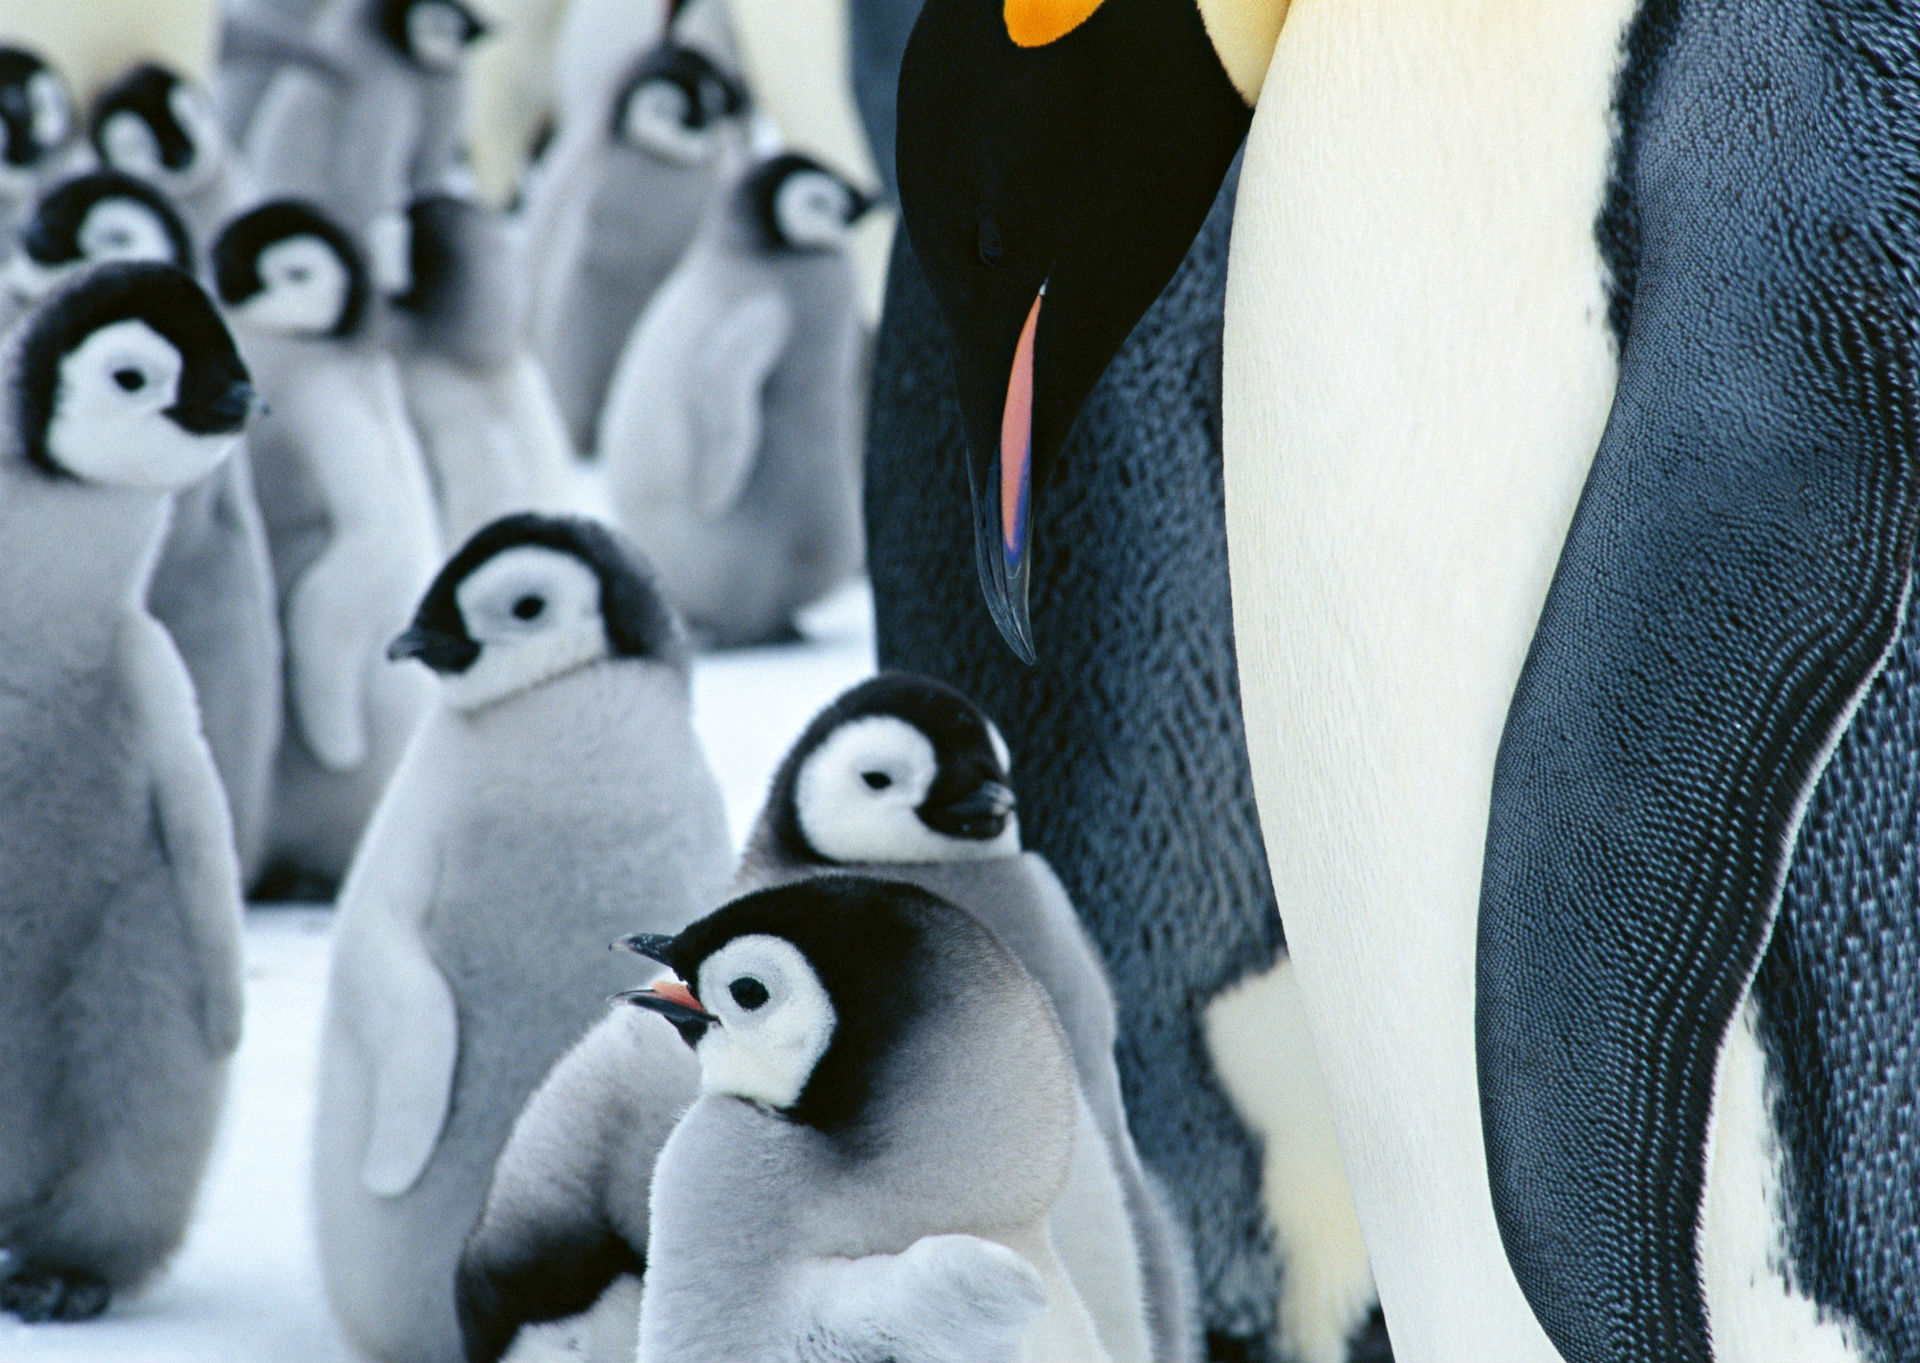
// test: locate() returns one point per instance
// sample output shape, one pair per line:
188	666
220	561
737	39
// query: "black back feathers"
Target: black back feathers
21	124
52	235
147	93
236	255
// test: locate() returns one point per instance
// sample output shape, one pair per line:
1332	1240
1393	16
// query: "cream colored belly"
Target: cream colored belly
1418	372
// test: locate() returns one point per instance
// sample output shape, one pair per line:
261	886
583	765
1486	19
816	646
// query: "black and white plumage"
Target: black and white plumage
555	788
155	124
119	944
886	1119
36	128
903	778
730	435
349	517
90	218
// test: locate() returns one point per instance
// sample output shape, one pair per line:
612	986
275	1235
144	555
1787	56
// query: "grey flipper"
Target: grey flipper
1734	578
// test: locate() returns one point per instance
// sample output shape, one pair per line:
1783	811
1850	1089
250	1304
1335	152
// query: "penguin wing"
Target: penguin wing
413	1063
1733	579
946	1297
190	808
727	395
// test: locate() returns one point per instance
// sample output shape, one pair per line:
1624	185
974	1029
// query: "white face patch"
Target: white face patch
109	414
124	229
858	796
303	289
437	34
812	209
52	115
776	1021
535	612
656	121
129	145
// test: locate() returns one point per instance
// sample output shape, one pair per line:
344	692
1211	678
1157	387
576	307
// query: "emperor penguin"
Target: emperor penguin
556	790
886	1117
349	519
903	778
120	991
613	207
365	144
213	585
155	124
36	129
478	396
730	436
1569	394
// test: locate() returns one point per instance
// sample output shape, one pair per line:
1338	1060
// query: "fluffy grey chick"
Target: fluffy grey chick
555	786
613	207
36	129
731	433
904	778
153	123
885	1122
119	892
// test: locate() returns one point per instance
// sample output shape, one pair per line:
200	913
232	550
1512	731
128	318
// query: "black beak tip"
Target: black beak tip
1003	576
655	946
409	643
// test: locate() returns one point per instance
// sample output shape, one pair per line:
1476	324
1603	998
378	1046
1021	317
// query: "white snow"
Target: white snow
246	1287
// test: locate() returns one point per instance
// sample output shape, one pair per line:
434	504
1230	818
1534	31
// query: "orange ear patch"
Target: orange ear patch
1035	23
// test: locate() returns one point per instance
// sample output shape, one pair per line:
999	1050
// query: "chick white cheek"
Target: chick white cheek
110	423
120	229
858	792
765	1053
130	144
657	120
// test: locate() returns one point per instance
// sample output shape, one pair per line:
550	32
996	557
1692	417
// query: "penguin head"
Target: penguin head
1056	159
797	204
675	104
529	598
127	376
89	219
287	268
432	34
448	266
153	124
36	116
900	769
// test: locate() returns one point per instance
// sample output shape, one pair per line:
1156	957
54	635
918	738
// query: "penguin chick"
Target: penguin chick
349	518
154	124
213	585
119	892
904	778
613	208
731	434
886	1109
486	416
556	784
36	128
363	147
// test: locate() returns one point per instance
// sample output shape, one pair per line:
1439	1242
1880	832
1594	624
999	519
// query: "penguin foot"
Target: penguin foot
37	1297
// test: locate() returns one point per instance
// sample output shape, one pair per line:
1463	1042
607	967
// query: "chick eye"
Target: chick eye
748	992
299	274
529	607
876	780
132	380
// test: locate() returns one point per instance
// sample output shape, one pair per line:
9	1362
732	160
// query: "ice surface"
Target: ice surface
246	1287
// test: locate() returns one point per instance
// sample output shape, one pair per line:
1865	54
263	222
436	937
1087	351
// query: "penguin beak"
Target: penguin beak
1003	528
225	415
672	1000
655	946
439	650
979	814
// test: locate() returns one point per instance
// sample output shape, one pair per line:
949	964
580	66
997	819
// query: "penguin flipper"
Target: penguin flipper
726	396
1734	577
946	1297
412	1078
191	810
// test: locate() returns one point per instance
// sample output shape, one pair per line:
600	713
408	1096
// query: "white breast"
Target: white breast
1418	372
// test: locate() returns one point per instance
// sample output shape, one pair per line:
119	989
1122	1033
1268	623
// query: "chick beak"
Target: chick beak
655	946
671	999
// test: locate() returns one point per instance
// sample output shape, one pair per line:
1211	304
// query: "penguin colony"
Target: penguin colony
1559	439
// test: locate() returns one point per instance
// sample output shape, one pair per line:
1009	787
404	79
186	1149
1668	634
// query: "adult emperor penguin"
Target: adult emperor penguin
903	778
885	1120
120	938
213	586
555	786
155	124
350	525
613	207
1570	393
479	399
730	436
36	128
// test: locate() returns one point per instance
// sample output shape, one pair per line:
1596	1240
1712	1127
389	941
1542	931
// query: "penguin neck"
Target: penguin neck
1244	33
88	552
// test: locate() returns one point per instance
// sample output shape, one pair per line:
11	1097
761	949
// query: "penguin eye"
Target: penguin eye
529	607
748	992
876	780
131	380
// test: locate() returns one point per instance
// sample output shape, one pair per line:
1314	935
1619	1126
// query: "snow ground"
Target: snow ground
246	1287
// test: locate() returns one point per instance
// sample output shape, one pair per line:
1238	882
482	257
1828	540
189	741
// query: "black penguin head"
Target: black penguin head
900	769
36	114
530	597
432	34
449	264
288	268
1050	184
127	376
798	998
90	219
153	124
674	103
797	204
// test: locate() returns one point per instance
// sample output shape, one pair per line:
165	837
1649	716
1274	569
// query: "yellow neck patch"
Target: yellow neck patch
1035	23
